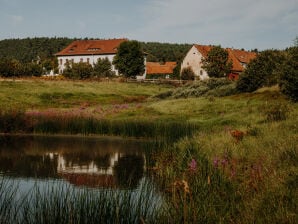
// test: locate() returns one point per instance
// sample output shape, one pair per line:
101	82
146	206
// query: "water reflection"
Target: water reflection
84	162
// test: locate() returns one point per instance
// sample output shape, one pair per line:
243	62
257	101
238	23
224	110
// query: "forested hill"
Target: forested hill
165	51
26	50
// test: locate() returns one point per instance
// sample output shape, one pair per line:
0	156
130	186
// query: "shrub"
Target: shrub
225	90
187	74
103	68
261	71
210	87
289	76
79	70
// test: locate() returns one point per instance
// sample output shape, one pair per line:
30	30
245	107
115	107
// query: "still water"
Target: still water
86	178
82	162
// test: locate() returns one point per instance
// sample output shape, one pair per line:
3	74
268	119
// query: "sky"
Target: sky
248	24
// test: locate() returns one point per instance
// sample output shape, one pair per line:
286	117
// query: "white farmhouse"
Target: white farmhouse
194	56
89	51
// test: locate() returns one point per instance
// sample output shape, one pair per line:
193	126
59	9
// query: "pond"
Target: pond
64	164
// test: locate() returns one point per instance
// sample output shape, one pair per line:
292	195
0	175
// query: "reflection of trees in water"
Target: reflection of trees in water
129	170
21	165
103	161
36	156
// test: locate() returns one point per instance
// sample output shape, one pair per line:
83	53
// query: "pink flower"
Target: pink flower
193	165
215	162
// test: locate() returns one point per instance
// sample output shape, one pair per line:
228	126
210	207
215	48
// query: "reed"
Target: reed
19	122
65	204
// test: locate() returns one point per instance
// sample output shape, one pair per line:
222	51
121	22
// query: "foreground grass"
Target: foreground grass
208	176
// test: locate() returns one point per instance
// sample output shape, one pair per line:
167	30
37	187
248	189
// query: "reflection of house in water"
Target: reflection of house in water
113	170
82	162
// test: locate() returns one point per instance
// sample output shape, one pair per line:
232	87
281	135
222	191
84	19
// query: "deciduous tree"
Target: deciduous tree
103	68
217	62
129	59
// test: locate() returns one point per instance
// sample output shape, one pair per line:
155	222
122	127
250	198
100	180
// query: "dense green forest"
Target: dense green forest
165	51
26	50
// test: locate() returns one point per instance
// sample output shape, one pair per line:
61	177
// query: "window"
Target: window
94	49
81	60
72	61
201	72
88	60
61	61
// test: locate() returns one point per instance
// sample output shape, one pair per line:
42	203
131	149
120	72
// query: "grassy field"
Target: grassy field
208	174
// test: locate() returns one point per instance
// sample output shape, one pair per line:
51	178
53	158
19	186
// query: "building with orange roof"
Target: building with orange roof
193	59
157	70
89	51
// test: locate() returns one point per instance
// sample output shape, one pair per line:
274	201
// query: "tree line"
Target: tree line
35	56
30	49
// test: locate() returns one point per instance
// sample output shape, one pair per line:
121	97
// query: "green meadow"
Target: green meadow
206	173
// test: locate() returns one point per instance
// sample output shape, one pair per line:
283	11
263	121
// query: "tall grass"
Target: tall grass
16	122
197	193
65	204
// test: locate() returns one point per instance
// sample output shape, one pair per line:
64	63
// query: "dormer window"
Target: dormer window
94	49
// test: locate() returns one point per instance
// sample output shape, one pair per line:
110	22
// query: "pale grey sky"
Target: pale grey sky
245	24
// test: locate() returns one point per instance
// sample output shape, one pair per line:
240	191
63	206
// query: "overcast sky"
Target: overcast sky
249	24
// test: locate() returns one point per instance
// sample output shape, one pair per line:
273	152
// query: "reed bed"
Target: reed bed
66	204
20	122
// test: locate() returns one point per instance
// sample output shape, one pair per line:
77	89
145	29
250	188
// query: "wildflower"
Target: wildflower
224	162
233	172
193	165
215	162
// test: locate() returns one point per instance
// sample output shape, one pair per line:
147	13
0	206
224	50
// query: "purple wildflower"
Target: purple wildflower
193	165
216	162
224	162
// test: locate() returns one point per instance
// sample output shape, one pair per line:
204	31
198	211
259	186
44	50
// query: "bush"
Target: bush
187	74
210	87
33	69
225	90
79	70
261	71
289	75
103	68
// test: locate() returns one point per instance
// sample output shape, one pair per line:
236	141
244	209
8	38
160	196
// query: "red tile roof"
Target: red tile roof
203	49
154	68
244	56
236	56
91	47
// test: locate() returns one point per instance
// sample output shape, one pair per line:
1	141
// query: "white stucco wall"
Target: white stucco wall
84	58
92	60
193	59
